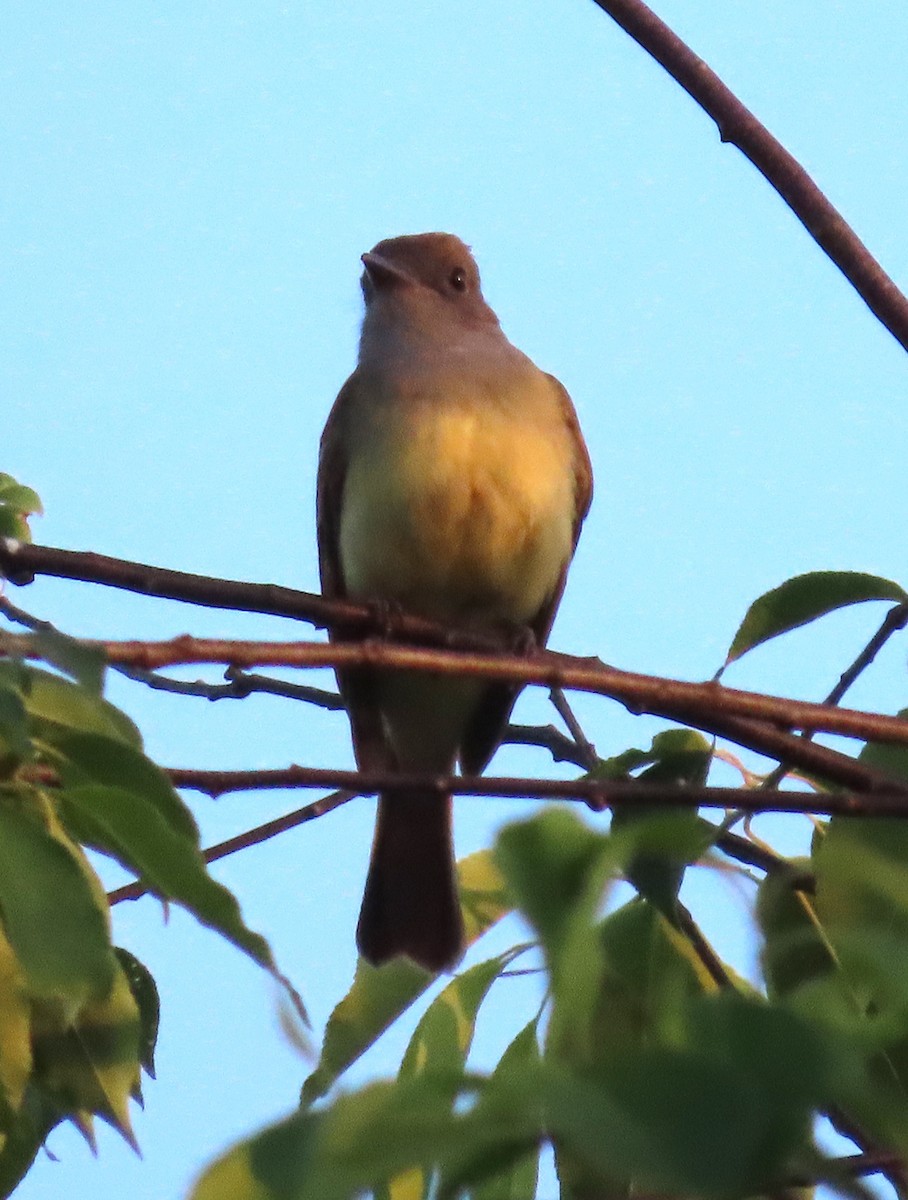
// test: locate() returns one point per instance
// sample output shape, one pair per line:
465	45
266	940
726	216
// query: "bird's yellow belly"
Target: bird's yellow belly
459	515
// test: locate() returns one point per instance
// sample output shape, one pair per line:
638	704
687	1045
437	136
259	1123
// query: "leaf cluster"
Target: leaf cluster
78	1015
648	1066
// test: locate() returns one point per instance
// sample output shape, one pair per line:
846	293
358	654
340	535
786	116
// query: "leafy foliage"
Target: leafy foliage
78	1016
17	504
648	1067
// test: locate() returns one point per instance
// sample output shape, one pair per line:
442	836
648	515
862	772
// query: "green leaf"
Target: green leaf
145	993
51	914
718	1114
379	995
677	756
17	503
554	863
862	901
375	1000
15	744
558	870
92	1066
515	1176
371	1136
336	1153
85	664
891	759
24	1137
442	1039
795	948
55	704
805	598
131	829
484	898
15	1035
861	868
18	497
650	971
99	758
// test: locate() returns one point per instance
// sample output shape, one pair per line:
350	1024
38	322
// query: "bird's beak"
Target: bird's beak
383	273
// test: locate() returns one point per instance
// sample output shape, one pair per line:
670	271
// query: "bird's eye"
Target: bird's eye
458	279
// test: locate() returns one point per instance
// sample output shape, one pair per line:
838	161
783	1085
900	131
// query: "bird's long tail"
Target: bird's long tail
410	905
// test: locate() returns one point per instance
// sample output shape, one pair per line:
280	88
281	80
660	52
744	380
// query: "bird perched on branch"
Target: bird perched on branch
453	480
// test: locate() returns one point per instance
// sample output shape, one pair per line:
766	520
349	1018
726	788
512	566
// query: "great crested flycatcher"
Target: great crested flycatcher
452	481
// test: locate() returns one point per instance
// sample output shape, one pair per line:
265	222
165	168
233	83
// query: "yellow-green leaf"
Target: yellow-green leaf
52	914
379	995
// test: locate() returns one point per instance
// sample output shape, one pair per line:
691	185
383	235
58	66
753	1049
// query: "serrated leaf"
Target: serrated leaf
92	1065
132	830
379	995
51	914
98	758
803	599
57	705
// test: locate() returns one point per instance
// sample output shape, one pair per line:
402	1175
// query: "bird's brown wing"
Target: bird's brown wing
488	723
357	687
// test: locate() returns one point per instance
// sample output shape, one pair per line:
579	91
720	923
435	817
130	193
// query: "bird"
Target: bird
453	480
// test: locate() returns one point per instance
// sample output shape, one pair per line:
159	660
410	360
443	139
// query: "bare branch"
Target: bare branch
738	125
20	562
695	703
598	794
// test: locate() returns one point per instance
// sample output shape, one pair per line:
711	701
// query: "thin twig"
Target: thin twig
546	737
743	850
738	125
240	684
585	747
252	837
712	963
895	620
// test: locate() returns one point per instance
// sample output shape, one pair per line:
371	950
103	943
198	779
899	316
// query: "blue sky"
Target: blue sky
185	193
